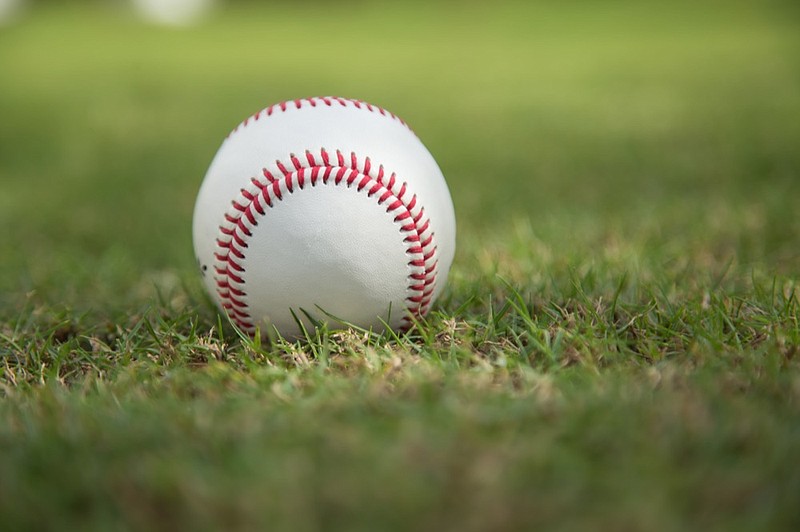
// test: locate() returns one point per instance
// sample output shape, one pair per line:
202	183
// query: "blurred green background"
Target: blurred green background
617	346
673	123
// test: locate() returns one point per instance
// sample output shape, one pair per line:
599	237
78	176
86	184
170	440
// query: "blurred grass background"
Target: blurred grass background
644	151
585	119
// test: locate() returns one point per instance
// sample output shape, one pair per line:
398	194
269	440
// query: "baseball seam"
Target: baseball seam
328	101
298	173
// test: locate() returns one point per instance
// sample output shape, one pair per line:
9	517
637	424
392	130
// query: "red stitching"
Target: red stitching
238	222
296	105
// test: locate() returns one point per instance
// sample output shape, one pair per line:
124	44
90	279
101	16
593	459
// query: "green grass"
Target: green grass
618	345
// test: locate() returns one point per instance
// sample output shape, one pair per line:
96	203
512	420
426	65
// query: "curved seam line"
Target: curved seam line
314	101
236	230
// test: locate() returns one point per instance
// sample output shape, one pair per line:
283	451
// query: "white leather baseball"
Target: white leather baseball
328	207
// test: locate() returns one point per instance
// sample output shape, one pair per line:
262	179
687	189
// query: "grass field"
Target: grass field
618	347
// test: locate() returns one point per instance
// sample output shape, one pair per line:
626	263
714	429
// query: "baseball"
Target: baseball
323	209
173	12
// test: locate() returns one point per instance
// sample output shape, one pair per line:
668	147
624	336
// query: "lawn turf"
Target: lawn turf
617	347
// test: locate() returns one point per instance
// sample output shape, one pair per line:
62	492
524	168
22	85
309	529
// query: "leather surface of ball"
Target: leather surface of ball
323	209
